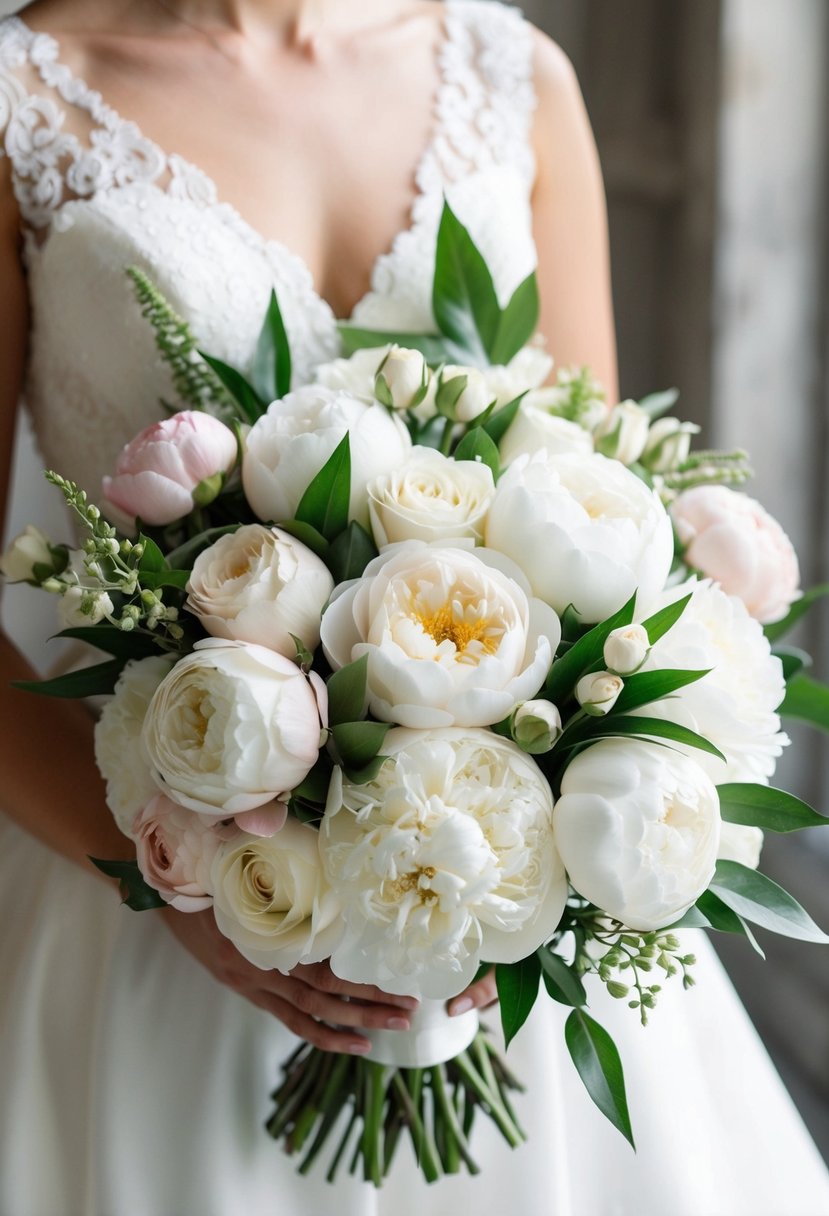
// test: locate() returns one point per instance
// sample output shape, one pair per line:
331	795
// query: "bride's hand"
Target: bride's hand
477	996
308	1000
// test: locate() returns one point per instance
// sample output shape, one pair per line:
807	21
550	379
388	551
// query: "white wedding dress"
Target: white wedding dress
131	1083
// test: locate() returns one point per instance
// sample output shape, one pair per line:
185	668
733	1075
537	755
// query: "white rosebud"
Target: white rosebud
473	398
535	726
740	842
668	445
402	379
29	549
626	649
623	433
598	693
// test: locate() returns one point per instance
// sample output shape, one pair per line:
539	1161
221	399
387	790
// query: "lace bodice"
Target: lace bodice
92	205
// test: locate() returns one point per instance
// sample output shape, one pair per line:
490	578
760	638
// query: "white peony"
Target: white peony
260	585
430	497
585	531
638	828
452	635
119	753
271	899
735	705
536	430
445	859
287	447
231	727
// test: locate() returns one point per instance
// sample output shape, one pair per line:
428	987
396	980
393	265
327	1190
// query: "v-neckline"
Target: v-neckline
423	175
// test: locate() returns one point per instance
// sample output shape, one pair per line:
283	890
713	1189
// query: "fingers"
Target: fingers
328	1007
305	1027
320	975
476	996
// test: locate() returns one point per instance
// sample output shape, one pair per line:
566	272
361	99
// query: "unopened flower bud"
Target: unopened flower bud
626	648
463	393
598	692
29	558
535	726
402	379
623	433
668	445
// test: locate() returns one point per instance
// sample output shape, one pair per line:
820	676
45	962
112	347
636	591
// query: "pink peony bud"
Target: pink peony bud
175	848
730	538
163	470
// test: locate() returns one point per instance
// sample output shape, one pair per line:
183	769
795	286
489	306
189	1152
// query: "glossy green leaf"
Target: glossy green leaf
792	659
562	982
435	349
250	403
152	559
463	295
648	686
152	580
324	505
657	404
518	321
762	902
807	700
309	536
477	445
88	682
135	892
499	422
636	727
584	654
798	610
357	743
657	626
271	372
121	644
723	919
314	788
350	553
360	776
763	807
517	985
183	557
597	1062
347	692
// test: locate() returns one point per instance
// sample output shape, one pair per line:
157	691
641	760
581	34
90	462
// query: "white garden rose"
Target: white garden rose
735	705
270	897
233	726
740	842
452	635
430	497
638	828
119	752
260	585
446	858
585	531
287	447
536	430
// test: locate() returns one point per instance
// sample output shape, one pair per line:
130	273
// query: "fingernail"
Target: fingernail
398	1023
461	1006
409	1002
359	1048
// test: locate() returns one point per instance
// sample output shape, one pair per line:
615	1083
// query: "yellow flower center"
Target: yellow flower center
444	626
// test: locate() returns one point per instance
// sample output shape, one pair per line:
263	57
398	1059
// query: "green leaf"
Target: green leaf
463	295
562	982
135	892
518	321
497	424
597	1062
248	400
357	743
792	659
184	556
88	682
648	686
477	445
517	985
360	776
583	654
324	505
807	700
309	536
762	902
117	642
435	349
621	727
798	609
314	788
723	919
271	372
347	692
350	553
657	404
764	807
152	559
657	626
152	580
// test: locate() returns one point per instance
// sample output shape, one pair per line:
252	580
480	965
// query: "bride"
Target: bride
229	148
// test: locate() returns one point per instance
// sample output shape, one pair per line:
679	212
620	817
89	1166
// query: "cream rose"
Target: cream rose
638	828
174	849
445	859
119	752
585	531
430	497
452	635
260	585
231	727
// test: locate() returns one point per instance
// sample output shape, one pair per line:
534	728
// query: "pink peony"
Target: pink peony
175	848
158	472
732	539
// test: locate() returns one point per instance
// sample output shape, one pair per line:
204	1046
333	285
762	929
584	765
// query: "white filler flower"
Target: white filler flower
445	859
452	636
585	531
638	827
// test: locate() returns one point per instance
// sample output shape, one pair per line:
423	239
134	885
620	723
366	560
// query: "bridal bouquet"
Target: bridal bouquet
427	667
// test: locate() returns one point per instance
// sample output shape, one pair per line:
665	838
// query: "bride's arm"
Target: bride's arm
570	224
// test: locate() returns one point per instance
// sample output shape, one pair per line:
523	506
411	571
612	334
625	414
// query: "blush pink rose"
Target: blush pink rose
730	538
158	471
175	848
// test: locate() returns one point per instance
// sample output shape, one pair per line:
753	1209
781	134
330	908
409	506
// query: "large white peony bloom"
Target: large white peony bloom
445	859
536	430
271	899
430	497
452	636
233	726
734	706
287	447
585	531
638	827
119	753
260	585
